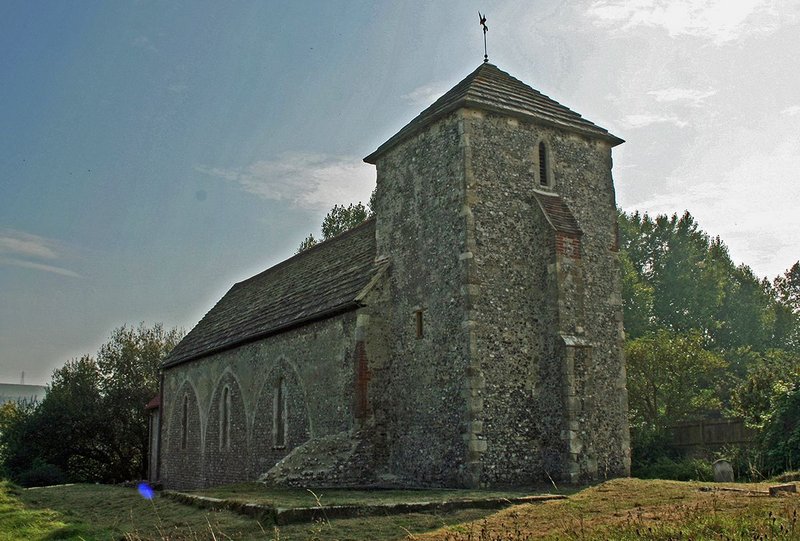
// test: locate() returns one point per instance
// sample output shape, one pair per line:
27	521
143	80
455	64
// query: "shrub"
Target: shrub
41	474
687	469
780	439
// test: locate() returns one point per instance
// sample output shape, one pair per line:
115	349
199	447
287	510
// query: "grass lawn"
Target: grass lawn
111	512
623	509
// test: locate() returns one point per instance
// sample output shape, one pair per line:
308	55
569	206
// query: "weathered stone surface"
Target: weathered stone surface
776	490
723	471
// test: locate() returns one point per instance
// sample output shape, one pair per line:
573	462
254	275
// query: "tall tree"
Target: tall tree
678	278
69	426
92	425
129	365
787	288
671	378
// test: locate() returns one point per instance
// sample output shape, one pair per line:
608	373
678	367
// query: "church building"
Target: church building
469	335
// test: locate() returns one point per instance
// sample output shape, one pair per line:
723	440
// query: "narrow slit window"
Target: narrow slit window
225	419
420	329
543	180
184	421
279	422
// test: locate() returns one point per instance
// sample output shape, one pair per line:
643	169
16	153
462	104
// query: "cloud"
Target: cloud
640	121
305	180
695	98
425	95
24	244
794	110
740	190
21	249
39	266
719	21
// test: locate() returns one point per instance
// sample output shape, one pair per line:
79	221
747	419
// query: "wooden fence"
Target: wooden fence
711	434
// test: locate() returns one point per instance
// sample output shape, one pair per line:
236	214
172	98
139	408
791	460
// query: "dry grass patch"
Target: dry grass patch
635	509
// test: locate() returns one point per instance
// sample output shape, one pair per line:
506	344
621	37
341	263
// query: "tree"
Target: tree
71	422
92	425
129	365
753	396
780	439
677	277
787	288
14	421
671	378
338	220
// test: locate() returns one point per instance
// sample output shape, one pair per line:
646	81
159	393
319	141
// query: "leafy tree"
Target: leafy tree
91	425
307	243
753	397
676	277
787	288
338	220
637	300
68	428
780	439
14	421
341	218
786	291
129	366
671	378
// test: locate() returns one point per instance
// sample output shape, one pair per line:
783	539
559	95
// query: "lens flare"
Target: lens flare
145	491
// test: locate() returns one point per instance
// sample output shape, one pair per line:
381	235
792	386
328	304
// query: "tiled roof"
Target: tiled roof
557	213
492	89
318	282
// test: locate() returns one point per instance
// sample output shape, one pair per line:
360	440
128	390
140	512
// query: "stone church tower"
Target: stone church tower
468	335
496	209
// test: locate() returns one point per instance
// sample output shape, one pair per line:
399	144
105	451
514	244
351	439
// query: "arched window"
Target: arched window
184	421
279	414
225	419
545	172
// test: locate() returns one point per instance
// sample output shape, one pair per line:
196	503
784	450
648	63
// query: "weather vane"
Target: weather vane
482	19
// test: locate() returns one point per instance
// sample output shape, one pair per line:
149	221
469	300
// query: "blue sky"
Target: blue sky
152	153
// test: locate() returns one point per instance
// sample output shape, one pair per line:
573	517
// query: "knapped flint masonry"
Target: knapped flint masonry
469	335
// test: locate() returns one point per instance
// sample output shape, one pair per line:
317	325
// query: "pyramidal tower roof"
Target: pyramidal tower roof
491	89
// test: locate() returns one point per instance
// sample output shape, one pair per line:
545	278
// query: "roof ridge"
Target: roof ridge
309	251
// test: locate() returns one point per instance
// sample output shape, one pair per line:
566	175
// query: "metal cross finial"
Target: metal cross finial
482	19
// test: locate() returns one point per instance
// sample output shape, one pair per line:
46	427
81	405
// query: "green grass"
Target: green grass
296	497
19	522
622	509
110	512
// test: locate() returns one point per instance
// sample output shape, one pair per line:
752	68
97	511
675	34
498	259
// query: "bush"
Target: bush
41	474
780	439
687	469
747	462
650	444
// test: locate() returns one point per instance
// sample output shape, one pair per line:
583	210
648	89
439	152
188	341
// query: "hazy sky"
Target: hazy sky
154	153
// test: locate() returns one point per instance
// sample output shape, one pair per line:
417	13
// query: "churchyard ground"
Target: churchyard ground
619	509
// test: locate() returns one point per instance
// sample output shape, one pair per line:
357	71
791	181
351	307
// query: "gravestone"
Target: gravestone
723	472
